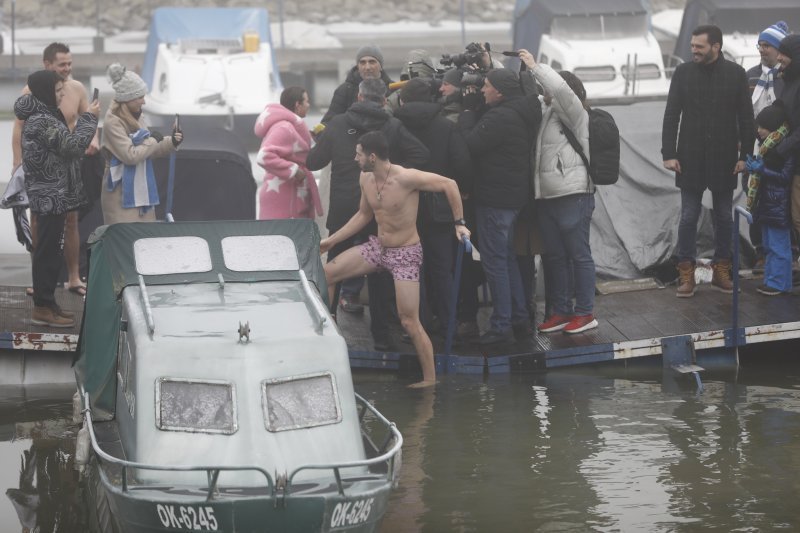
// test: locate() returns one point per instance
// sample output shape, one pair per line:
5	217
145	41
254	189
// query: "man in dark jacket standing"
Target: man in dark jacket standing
449	158
369	65
500	144
710	99
765	87
789	58
337	146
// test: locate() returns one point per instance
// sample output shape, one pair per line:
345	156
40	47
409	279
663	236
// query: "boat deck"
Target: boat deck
631	325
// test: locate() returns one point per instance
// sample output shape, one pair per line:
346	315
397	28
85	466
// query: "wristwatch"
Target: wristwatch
460	222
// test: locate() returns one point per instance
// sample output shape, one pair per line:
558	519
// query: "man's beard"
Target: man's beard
367	166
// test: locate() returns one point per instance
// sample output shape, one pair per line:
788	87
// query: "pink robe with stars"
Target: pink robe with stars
284	147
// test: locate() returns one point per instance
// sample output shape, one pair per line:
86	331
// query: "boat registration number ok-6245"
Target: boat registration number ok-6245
187	517
351	513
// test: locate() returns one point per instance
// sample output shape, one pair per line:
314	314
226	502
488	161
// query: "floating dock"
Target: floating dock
632	325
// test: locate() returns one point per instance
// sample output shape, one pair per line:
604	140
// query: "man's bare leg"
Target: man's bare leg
72	251
348	264
407	293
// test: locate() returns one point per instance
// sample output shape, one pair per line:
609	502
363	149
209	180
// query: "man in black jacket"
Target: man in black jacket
449	158
337	146
500	144
765	87
369	65
710	99
789	58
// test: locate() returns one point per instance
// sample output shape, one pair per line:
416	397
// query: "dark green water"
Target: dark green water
594	450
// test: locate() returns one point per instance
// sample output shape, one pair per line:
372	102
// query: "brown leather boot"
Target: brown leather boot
686	283
721	278
47	316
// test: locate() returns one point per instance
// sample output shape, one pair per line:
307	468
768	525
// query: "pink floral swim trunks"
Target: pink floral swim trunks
403	262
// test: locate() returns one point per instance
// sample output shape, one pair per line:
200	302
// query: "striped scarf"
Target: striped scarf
138	181
764	91
772	140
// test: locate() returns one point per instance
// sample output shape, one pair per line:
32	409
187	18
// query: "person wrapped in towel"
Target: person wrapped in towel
129	187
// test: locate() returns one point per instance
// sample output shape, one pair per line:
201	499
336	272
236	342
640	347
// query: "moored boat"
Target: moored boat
216	390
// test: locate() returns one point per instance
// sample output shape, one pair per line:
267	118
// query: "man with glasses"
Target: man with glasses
765	87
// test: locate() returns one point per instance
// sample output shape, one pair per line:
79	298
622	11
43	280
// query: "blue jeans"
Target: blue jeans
722	216
778	251
564	223
496	230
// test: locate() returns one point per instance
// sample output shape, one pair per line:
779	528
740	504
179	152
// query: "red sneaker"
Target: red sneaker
554	323
581	323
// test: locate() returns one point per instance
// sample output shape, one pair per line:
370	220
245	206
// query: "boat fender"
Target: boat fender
77	408
82	445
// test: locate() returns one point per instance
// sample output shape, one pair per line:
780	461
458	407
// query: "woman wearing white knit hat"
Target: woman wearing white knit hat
129	192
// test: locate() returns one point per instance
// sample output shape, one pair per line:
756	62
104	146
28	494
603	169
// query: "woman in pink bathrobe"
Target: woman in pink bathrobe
289	189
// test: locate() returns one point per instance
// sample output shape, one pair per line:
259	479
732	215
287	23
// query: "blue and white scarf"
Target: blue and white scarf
764	91
138	181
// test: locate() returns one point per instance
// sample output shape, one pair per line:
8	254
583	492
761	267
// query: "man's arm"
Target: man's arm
83	106
430	182
669	129
362	217
747	128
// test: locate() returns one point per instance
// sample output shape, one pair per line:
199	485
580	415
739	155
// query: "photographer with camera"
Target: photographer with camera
449	157
499	139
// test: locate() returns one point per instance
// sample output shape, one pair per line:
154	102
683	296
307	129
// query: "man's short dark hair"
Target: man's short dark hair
372	90
54	49
374	142
291	96
713	33
416	90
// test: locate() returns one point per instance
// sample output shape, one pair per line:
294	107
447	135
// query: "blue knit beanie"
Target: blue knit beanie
774	34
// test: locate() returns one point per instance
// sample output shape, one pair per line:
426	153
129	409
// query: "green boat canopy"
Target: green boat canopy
174	254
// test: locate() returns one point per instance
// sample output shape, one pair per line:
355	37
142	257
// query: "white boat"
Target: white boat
608	45
216	390
212	66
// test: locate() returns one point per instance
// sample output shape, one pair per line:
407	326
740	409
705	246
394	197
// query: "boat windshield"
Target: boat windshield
202	406
599	27
300	402
171	255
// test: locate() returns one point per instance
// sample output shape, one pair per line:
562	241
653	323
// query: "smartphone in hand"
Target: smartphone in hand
177	122
96	94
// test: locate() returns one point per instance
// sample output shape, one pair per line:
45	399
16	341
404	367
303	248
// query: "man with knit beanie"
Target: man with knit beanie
789	59
369	64
765	86
499	140
762	78
450	89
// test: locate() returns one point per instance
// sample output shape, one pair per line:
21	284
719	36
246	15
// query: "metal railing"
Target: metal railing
213	471
738	210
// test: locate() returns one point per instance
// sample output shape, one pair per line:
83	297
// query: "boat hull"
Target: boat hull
179	508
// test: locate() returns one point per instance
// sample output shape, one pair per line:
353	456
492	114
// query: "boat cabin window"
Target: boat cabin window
201	406
156	256
300	402
126	370
617	26
247	253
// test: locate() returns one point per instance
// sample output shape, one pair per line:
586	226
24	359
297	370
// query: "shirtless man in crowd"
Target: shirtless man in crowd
57	57
390	193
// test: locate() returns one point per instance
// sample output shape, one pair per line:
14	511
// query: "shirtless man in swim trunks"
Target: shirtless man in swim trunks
57	57
390	193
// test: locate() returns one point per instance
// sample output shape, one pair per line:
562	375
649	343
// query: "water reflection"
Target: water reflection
565	451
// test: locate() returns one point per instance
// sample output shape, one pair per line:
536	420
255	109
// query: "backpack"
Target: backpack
603	162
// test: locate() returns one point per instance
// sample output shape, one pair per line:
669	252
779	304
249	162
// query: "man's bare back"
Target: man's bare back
394	204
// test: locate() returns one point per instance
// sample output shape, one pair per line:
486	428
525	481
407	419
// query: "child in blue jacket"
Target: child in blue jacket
773	174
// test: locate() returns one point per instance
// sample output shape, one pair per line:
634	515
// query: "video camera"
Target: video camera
473	55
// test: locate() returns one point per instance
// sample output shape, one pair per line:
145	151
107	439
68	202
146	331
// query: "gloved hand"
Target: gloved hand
471	100
754	164
157	135
177	137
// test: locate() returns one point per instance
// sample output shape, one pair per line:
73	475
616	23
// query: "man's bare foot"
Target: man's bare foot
422	384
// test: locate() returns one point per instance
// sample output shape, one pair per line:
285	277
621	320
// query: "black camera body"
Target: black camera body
474	54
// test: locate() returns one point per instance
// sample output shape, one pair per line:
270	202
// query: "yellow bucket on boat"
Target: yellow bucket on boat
251	42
